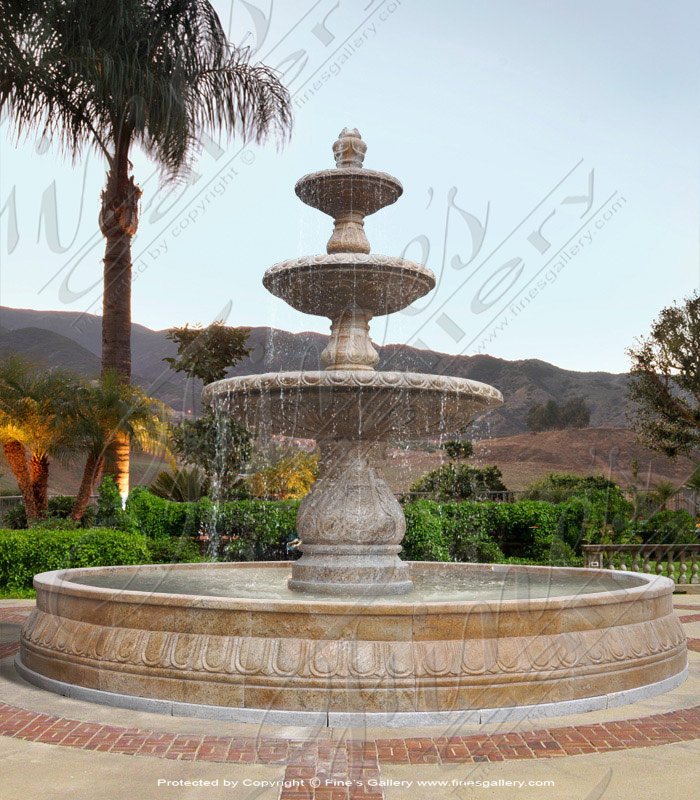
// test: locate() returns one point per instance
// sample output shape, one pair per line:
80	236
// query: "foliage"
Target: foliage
174	551
665	381
458	448
60	507
24	554
574	413
158	518
106	75
668	527
35	409
285	479
110	513
425	538
456	481
207	353
217	444
556	487
182	485
104	411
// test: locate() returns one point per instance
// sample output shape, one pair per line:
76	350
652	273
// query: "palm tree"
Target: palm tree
663	492
34	410
111	74
181	485
107	409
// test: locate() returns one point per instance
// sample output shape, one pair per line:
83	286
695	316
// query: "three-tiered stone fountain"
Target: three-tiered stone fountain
350	634
350	524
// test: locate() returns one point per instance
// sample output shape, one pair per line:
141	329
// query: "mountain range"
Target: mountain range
73	341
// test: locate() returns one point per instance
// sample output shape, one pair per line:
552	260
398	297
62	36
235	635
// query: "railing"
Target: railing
680	562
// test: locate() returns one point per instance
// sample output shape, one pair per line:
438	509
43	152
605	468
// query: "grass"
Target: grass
17	594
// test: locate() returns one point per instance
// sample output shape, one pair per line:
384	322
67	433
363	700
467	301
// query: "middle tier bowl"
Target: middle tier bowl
326	284
352	404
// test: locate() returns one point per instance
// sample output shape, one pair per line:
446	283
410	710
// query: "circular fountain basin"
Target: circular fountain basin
336	190
353	403
323	284
470	642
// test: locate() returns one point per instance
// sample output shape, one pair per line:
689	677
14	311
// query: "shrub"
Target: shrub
174	551
556	487
458	448
110	513
455	481
156	517
668	527
425	538
23	554
60	507
257	530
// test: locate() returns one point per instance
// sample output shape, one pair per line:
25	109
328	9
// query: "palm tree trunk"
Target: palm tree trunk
93	467
118	222
17	459
39	475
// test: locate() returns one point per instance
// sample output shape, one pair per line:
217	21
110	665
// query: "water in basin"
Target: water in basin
270	583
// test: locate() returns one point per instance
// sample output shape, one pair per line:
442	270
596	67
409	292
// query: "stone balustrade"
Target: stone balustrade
680	562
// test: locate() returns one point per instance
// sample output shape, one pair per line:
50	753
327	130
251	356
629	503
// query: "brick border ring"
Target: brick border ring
332	719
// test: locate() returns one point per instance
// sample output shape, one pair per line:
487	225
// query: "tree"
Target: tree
215	442
207	353
665	381
291	476
458	449
575	413
35	408
551	416
112	74
180	485
455	481
107	409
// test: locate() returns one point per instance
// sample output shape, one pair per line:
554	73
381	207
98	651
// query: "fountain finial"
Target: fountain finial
349	149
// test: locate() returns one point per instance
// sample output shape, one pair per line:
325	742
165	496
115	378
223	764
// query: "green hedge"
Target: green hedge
479	531
23	554
254	529
260	530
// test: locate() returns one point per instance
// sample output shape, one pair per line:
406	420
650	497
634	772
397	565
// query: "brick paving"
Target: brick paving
344	769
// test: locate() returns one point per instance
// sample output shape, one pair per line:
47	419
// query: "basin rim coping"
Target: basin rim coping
490	396
55	583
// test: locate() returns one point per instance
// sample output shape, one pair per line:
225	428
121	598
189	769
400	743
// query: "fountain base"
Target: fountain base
365	570
469	638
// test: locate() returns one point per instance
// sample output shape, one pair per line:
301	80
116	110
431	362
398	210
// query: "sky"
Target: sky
549	155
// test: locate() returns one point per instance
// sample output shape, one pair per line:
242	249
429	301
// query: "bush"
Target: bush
425	538
156	517
250	530
174	551
24	554
668	527
455	481
110	513
60	507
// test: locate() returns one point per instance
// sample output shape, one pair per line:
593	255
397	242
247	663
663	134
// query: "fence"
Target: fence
680	562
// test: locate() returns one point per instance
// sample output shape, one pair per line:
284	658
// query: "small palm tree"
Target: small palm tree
663	492
107	409
111	74
34	411
181	485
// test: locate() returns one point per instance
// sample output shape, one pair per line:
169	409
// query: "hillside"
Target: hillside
522	382
526	457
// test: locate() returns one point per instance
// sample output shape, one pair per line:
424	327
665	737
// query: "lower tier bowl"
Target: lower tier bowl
468	637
